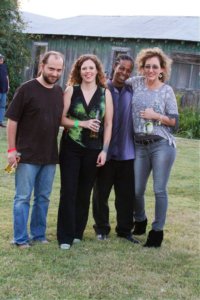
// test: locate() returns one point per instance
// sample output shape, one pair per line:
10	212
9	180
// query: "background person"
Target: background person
4	88
155	115
80	153
118	170
34	118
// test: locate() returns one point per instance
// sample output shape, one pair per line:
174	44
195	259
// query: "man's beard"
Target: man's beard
49	79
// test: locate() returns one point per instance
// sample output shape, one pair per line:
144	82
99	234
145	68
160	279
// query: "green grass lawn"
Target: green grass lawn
112	269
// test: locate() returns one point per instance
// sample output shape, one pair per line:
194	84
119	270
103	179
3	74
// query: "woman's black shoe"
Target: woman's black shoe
140	227
154	239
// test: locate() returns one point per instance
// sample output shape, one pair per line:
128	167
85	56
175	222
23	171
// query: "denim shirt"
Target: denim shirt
121	144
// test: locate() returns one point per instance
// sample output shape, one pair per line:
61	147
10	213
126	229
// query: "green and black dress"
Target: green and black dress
78	157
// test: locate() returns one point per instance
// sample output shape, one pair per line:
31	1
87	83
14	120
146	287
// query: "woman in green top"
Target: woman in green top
87	121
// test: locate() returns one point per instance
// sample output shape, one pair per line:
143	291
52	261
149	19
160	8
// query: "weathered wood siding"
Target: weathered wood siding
104	48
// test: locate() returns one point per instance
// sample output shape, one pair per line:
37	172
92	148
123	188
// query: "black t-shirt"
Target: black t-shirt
38	111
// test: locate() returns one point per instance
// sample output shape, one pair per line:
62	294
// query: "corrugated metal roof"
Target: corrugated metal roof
141	27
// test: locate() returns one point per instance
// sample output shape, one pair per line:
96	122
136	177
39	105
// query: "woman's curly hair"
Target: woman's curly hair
165	61
75	77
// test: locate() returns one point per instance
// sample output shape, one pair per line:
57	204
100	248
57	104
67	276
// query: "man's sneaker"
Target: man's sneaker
42	242
102	237
76	241
23	246
45	242
65	246
2	125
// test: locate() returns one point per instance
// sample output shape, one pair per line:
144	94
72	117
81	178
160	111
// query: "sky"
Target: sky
65	8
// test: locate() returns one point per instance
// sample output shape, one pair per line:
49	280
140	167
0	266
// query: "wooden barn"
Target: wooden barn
108	36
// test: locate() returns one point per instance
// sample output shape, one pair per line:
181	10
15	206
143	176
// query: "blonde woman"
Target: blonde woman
155	116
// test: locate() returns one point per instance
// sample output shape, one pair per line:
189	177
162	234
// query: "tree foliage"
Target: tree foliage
13	42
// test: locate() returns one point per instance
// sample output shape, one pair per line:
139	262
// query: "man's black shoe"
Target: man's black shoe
2	125
130	238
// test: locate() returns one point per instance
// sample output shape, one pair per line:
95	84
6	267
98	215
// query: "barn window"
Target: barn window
38	51
185	71
116	51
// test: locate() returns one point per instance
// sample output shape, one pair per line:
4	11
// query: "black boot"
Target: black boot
154	239
140	227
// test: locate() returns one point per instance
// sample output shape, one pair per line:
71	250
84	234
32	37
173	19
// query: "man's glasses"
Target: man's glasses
148	67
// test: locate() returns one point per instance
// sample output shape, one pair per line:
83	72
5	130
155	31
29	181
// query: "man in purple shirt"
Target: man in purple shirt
118	170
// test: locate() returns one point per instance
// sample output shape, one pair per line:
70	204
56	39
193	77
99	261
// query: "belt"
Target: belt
147	142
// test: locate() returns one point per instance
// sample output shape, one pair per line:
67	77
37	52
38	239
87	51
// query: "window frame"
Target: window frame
189	61
36	58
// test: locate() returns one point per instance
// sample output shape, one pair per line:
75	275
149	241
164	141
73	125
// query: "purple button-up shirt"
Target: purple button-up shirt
121	144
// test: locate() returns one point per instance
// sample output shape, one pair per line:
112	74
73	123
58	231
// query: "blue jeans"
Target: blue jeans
157	157
29	177
3	97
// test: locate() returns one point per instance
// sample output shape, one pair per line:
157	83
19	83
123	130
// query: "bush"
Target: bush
189	123
13	42
189	120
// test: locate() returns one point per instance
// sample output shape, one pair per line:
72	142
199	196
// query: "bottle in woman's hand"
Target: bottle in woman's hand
94	134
